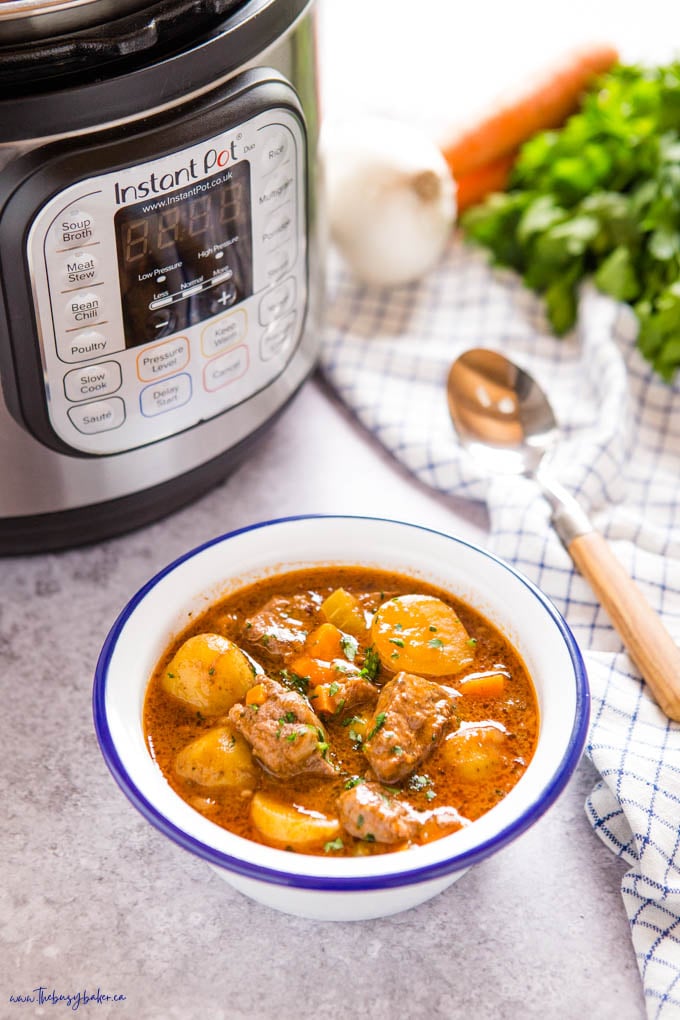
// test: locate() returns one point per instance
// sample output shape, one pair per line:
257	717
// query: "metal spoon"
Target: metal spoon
503	417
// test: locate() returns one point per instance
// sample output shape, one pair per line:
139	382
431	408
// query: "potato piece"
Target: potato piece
210	673
283	826
221	757
421	634
476	752
342	609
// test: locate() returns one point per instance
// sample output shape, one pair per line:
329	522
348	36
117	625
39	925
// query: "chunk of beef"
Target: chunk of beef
410	717
350	692
368	812
281	626
284	732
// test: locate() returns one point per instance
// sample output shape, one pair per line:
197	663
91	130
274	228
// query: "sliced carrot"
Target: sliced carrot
317	671
325	699
544	102
483	685
325	643
256	695
483	180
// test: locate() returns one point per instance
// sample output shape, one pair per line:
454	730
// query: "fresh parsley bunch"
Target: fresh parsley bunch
601	197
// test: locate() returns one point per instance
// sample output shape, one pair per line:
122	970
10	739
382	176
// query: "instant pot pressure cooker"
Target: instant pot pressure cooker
160	268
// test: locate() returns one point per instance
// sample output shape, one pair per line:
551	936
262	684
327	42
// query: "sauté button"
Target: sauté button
99	416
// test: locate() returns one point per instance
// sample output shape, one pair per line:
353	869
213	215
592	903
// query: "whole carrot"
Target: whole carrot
544	102
480	182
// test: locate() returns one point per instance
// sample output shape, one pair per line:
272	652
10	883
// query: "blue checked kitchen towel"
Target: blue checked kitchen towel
387	354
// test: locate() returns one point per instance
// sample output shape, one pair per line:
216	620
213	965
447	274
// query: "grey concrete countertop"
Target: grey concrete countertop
93	897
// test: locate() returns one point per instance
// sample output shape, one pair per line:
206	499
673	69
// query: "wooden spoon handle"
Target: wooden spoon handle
649	644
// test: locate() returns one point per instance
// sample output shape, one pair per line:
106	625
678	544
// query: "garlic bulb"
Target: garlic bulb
391	199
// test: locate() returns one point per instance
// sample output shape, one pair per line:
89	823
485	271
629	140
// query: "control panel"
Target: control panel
172	290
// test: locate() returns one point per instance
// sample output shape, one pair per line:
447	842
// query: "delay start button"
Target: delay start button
165	396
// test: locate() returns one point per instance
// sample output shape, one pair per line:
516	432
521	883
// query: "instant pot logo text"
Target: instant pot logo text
194	170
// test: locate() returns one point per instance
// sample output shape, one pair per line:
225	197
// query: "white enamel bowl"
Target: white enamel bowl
322	887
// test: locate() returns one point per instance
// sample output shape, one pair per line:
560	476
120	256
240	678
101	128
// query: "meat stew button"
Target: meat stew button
278	301
98	416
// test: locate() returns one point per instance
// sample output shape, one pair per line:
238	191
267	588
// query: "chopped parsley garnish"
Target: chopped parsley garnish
398	751
398	626
435	642
171	675
419	782
211	671
430	794
360	821
265	639
289	717
334	844
350	646
394	655
294	681
334	688
472	642
292	737
371	666
369	837
432	628
379	723
397	641
354	781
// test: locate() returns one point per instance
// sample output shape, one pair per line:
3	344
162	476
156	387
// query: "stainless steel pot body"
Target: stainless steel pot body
70	469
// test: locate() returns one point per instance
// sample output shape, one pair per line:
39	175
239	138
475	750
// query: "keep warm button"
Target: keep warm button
165	396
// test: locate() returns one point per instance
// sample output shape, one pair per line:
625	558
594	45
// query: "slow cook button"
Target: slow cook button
226	369
93	380
80	268
165	396
278	228
100	416
73	227
278	301
84	308
275	147
163	359
223	333
277	338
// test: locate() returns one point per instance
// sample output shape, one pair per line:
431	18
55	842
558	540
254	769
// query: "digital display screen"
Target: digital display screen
185	256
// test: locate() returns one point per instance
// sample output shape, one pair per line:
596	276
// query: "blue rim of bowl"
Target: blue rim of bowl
329	883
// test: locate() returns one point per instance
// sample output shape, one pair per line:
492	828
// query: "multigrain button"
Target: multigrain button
93	380
276	189
80	268
226	369
278	227
75	226
223	333
100	416
275	147
165	396
159	360
277	302
84	308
